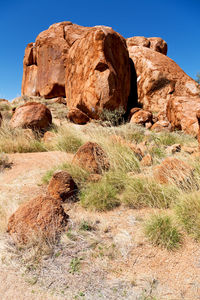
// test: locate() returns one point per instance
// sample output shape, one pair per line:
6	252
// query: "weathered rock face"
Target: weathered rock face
159	79
101	78
44	60
62	186
40	217
76	116
181	113
155	43
31	115
173	170
92	157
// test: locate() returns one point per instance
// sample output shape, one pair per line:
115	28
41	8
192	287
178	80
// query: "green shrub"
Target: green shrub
112	117
161	232
100	196
187	210
67	139
143	192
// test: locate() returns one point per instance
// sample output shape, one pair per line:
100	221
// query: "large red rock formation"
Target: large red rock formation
89	65
159	79
98	72
181	113
44	60
31	115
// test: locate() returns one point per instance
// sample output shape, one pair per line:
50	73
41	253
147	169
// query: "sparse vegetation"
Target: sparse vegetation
161	232
4	162
112	117
187	210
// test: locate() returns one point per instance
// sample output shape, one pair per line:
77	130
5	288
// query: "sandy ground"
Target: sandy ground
148	270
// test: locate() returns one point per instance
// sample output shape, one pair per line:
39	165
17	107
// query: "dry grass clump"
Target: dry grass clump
67	138
15	140
187	210
146	192
161	232
4	162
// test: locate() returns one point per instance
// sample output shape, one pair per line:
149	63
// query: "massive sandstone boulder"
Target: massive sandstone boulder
155	43
181	113
44	60
159	79
41	217
89	65
98	72
31	115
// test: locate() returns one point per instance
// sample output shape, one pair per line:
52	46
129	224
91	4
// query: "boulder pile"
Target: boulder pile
95	68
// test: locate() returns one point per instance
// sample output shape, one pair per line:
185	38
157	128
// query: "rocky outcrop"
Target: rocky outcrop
41	217
31	115
98	72
181	113
155	43
92	158
62	187
159	79
89	65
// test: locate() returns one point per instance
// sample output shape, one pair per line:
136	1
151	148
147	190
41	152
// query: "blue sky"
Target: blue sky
176	21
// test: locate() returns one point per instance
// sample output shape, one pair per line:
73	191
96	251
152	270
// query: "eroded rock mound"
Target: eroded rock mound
92	157
141	117
181	113
98	72
41	217
159	79
62	186
31	115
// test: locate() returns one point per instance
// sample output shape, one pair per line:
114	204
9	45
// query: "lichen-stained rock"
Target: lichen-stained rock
181	113
155	43
76	116
41	217
44	60
159	79
31	115
62	187
98	72
92	158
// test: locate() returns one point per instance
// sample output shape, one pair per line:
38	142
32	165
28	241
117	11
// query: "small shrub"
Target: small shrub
75	265
100	196
85	226
112	117
187	210
161	232
143	192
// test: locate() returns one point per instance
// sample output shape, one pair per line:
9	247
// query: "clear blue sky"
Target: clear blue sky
176	21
